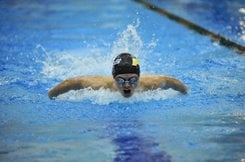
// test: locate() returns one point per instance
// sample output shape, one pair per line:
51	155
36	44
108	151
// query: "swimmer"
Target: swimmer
125	78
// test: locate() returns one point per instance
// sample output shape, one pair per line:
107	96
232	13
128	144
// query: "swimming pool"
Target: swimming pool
43	43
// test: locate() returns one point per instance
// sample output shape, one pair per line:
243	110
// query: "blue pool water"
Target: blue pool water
42	43
226	18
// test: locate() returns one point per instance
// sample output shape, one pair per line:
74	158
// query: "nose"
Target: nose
127	85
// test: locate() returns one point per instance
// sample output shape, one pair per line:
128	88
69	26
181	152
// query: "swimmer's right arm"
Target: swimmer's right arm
65	86
95	82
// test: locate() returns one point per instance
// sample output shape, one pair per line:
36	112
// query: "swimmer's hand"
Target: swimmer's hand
175	84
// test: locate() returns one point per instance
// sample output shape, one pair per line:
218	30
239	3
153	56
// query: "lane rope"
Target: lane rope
192	26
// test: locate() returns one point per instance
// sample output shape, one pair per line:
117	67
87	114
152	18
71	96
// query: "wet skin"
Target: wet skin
126	83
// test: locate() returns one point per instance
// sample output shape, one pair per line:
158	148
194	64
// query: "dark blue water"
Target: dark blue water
42	43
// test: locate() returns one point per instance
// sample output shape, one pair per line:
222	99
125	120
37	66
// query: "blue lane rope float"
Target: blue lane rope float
190	25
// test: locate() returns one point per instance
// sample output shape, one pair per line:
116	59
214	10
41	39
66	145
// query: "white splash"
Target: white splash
105	96
97	61
242	24
129	41
91	60
242	10
76	63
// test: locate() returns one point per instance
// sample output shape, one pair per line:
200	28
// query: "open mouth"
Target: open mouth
127	91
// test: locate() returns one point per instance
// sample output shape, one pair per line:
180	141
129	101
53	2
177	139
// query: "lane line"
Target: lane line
213	36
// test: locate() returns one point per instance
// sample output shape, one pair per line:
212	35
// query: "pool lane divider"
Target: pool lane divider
213	36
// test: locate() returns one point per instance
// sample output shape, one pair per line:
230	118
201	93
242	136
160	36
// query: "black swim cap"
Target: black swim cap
125	63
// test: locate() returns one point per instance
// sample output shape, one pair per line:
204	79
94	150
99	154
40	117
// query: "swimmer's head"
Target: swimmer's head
125	63
126	72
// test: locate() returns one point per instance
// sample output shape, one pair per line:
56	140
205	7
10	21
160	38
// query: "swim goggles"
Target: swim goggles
132	80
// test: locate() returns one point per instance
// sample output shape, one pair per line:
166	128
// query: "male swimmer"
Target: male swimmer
126	79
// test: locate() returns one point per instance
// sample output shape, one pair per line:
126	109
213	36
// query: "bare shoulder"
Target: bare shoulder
94	78
151	76
155	78
96	82
153	81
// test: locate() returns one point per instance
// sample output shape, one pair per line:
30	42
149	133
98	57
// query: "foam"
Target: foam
72	63
242	24
91	60
98	61
105	96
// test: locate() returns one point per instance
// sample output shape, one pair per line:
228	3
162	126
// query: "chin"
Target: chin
127	95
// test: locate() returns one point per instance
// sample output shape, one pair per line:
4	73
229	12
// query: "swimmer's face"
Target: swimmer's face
126	83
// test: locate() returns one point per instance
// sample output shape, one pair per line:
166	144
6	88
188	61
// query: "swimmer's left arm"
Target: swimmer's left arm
151	81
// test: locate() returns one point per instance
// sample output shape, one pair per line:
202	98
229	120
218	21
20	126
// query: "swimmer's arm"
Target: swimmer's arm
149	82
95	82
65	86
168	82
